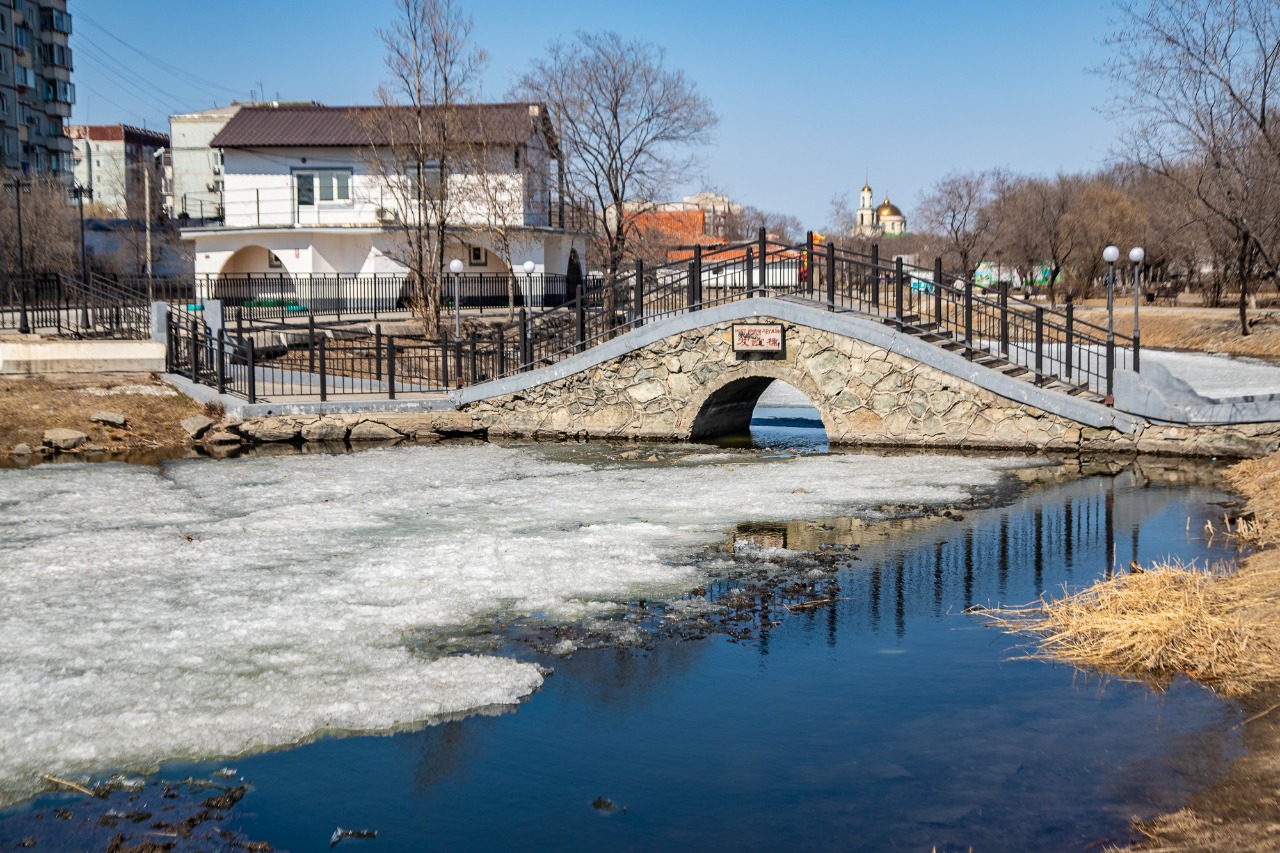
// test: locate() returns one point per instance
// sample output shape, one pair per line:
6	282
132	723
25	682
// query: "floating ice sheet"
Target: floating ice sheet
210	608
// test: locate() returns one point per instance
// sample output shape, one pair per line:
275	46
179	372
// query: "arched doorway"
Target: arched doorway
252	275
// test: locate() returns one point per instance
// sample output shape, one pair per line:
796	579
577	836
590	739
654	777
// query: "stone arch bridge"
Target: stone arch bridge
680	378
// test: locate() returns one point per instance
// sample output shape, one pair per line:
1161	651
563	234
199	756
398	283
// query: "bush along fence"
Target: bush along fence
266	356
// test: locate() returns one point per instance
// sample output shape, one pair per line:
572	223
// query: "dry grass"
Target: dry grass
1157	624
1199	329
29	405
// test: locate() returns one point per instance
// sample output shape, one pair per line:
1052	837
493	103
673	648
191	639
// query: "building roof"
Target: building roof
675	226
117	133
352	127
888	210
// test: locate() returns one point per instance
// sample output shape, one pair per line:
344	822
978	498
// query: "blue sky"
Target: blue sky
808	103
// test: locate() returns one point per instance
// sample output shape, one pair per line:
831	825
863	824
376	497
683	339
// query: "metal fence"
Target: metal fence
65	305
271	353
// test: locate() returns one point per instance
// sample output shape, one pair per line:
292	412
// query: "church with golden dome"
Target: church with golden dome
883	221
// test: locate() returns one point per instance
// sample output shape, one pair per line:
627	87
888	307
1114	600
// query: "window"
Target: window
479	256
59	90
273	261
3	63
331	185
56	54
53	19
430	179
24	77
21	39
4	104
4	24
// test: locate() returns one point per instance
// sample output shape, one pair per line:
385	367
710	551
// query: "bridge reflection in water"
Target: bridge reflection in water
916	564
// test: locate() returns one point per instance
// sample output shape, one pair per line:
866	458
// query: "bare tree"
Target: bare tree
782	227
628	125
50	229
1197	79
415	138
842	219
963	208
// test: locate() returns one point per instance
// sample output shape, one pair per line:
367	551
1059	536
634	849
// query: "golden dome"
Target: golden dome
866	188
887	209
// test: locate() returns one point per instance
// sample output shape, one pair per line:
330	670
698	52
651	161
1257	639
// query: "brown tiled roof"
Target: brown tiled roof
349	127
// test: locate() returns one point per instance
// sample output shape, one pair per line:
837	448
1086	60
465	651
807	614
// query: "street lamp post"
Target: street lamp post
455	267
1137	254
1111	254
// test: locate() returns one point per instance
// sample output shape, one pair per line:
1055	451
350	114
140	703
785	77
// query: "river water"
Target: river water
744	646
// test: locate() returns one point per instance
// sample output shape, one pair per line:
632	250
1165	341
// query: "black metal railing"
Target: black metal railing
65	305
269	353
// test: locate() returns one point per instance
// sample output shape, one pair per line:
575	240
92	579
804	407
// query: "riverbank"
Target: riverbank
152	413
1160	623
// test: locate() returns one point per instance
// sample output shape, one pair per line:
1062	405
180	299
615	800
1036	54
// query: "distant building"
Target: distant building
118	163
198	182
883	221
197	168
36	92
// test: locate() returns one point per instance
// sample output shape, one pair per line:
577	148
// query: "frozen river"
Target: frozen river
209	610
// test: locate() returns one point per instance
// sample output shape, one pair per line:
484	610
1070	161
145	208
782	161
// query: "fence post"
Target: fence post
324	393
457	363
311	342
169	341
899	287
831	276
968	319
1070	335
526	358
195	350
502	352
808	264
580	333
1004	318
222	361
444	358
637	296
875	274
471	357
937	292
749	290
1111	369
695	280
391	367
253	373
377	351
1039	342
764	251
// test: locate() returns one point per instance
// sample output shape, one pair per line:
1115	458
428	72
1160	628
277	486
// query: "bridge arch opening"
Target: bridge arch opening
763	412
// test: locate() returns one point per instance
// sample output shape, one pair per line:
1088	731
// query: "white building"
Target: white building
871	221
301	197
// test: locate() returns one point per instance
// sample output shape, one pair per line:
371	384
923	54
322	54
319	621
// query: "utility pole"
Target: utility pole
24	325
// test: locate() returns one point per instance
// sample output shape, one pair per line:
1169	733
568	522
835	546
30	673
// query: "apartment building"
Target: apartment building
120	164
36	92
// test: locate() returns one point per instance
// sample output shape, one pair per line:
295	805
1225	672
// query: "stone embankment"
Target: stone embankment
422	427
